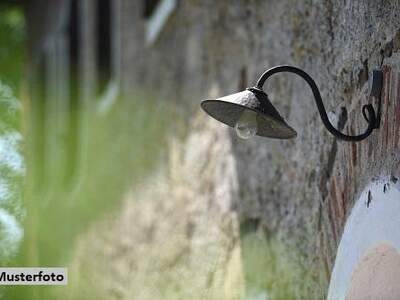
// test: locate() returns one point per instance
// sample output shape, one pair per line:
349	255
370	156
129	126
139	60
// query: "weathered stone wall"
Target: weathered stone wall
296	192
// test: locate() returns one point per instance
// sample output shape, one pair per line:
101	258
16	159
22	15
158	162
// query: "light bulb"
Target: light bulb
246	126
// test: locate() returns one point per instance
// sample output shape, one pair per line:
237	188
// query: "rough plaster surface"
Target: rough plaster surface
300	191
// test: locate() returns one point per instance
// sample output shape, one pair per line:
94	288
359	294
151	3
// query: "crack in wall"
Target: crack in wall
327	171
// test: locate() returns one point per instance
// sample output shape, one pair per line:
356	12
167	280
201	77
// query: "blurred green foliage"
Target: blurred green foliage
268	274
12	37
112	153
80	163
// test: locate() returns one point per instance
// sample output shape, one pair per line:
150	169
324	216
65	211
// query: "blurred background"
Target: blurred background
98	99
108	166
86	151
72	147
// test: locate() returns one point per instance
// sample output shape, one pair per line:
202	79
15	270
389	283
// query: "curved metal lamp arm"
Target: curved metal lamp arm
367	110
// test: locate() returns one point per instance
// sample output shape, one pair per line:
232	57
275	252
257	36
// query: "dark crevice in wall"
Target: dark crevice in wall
243	79
327	171
249	226
390	47
396	41
329	16
363	74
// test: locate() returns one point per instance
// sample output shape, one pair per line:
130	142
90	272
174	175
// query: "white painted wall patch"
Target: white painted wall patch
370	246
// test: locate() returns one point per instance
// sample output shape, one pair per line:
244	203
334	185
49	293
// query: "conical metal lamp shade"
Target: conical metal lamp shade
228	110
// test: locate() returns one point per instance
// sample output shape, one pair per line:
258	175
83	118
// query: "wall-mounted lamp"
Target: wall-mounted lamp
251	113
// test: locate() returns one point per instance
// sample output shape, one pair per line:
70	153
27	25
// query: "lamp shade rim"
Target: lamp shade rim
220	114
